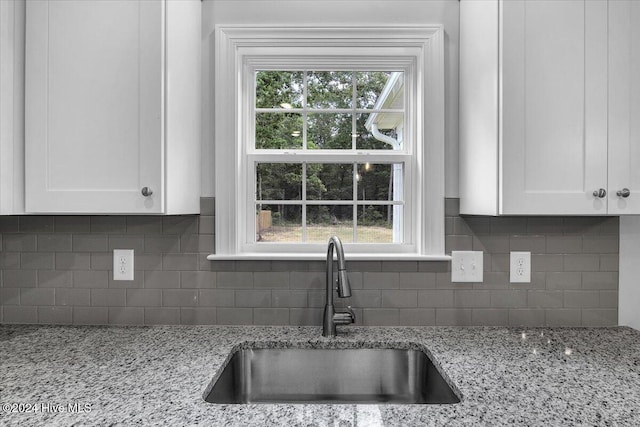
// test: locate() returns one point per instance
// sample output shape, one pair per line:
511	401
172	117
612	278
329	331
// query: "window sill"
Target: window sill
322	257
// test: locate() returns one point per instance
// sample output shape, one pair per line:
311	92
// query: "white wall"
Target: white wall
629	280
334	12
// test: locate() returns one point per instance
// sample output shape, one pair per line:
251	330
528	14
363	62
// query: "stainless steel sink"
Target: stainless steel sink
330	376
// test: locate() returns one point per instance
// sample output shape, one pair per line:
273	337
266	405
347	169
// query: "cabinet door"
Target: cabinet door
554	92
624	106
94	106
11	108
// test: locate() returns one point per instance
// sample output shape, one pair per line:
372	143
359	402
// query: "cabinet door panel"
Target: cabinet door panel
624	106
94	106
11	109
554	106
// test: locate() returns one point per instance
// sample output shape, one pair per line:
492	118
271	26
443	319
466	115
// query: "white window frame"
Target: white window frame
418	51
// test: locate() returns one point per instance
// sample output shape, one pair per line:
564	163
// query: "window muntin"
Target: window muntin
339	112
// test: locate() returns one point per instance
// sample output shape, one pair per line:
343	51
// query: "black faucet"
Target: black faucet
331	317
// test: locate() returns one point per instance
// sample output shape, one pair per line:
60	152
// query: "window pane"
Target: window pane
329	89
278	130
377	181
278	181
388	124
326	221
372	84
329	131
279	89
376	223
329	181
278	223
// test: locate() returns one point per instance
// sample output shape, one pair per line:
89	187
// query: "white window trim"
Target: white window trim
234	45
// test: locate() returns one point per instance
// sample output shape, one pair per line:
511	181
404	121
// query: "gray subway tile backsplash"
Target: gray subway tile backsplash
54	243
19	278
564	280
179	297
526	317
198	279
36	224
37	261
271	316
65	261
57	270
417	317
19	314
490	316
36	296
90	279
395	298
90	315
55	315
10	296
161	316
382	280
198	316
108	297
600	280
453	317
289	298
380	317
234	316
161	244
55	279
75	297
161	279
126	316
216	297
108	224
143	297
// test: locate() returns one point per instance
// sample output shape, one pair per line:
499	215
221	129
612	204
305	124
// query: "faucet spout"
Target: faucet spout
331	317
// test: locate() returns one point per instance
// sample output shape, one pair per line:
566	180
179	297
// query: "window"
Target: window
329	131
331	121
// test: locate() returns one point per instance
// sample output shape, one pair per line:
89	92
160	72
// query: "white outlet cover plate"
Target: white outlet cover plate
123	264
520	267
467	266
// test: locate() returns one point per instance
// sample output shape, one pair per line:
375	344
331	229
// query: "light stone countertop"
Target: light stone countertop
157	376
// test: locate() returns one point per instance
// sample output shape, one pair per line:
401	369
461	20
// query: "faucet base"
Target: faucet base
328	327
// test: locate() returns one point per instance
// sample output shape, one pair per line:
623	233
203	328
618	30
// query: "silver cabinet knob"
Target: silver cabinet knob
600	193
146	191
624	193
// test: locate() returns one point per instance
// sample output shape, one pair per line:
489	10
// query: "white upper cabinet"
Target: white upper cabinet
624	107
537	83
113	106
11	108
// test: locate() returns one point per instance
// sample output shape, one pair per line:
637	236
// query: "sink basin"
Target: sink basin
359	375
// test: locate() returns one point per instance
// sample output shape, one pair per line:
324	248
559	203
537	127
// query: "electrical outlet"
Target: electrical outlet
123	264
520	267
467	266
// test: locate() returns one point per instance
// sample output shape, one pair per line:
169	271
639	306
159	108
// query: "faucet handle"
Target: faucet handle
352	313
344	317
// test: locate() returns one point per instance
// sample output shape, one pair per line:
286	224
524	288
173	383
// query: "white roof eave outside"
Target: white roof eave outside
385	100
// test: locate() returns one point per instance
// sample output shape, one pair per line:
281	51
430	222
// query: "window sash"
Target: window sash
252	155
341	64
407	225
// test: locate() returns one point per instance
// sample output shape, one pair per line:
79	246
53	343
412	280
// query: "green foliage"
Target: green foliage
274	88
330	89
325	130
373	215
